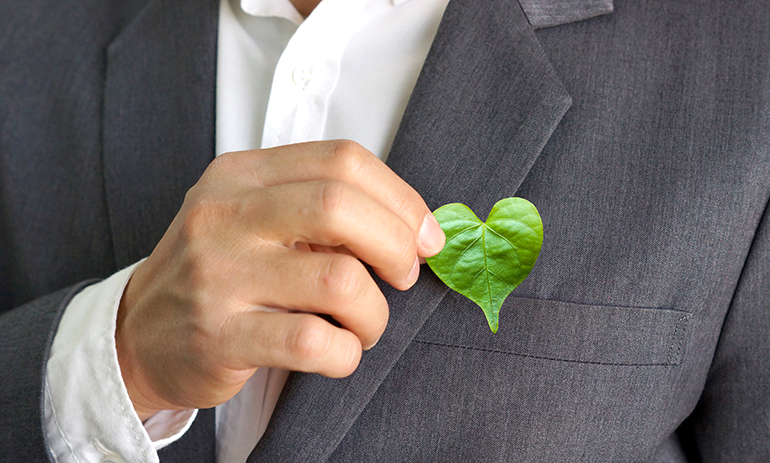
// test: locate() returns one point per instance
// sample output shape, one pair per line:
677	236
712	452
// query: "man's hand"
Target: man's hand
288	228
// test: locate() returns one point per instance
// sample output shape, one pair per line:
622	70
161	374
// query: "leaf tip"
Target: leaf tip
493	323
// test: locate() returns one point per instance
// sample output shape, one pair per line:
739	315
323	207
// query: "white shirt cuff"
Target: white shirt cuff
88	414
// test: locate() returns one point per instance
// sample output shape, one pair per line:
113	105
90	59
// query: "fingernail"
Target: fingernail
414	273
373	344
431	235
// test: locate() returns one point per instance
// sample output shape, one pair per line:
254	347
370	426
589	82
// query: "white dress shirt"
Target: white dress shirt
346	71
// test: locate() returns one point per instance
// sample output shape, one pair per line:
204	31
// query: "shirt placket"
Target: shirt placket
307	73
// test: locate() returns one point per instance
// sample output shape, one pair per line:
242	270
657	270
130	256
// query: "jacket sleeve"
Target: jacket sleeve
26	334
732	419
88	413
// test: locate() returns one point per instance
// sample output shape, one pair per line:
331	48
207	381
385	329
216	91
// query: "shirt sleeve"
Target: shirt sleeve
88	414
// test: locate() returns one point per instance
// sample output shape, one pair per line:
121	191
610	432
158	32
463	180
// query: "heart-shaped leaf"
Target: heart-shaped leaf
486	261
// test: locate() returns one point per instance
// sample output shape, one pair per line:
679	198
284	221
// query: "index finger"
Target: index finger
348	162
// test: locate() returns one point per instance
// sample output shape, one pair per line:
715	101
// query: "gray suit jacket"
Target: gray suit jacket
642	134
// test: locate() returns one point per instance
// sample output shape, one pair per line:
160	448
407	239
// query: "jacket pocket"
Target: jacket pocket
564	331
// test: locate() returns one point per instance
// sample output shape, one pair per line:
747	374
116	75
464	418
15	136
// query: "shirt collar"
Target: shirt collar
282	8
268	8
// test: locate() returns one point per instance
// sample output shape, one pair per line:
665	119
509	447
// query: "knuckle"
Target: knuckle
344	148
333	197
345	287
243	165
412	208
195	192
201	213
348	156
341	279
201	249
206	212
221	164
310	341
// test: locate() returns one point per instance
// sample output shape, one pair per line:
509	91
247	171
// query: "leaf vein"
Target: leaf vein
454	267
486	266
501	237
460	233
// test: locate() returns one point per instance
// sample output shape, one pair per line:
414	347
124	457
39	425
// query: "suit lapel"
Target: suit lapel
158	119
483	108
547	13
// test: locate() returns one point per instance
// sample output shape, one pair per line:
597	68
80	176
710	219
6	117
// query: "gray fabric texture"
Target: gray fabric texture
56	219
198	444
27	337
651	191
640	129
152	82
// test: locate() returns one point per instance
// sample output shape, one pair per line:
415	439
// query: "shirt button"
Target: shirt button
302	76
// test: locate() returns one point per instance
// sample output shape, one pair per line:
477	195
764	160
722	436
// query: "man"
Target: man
639	336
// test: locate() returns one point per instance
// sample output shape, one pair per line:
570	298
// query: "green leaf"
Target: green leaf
486	261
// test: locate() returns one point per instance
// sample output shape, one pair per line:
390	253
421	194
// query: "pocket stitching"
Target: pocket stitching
680	331
495	351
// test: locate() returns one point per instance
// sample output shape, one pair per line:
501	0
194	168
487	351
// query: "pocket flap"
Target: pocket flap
563	331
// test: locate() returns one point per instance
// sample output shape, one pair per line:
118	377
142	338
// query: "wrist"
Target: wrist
134	380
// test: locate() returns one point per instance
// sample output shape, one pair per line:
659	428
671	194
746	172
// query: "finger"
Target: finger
325	283
335	214
348	162
293	341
